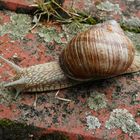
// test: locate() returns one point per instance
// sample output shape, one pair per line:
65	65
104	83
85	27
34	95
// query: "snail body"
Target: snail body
38	78
101	52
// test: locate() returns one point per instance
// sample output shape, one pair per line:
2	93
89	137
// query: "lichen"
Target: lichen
73	28
135	37
50	34
131	24
18	27
108	6
92	122
121	118
97	101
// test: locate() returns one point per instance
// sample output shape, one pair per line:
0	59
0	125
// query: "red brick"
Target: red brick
50	115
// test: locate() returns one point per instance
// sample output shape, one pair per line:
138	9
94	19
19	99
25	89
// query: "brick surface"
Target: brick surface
17	5
106	9
89	115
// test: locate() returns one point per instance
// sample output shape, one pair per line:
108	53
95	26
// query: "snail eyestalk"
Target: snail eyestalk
14	66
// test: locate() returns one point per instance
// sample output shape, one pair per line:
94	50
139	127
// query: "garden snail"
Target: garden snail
101	52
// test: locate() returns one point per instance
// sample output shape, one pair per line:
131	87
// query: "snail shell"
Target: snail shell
102	51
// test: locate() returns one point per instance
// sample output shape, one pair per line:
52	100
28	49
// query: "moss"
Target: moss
54	136
6	123
17	131
13	130
130	28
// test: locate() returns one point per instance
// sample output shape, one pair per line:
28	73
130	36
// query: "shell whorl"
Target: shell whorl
102	51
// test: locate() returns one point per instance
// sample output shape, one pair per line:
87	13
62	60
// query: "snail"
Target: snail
101	52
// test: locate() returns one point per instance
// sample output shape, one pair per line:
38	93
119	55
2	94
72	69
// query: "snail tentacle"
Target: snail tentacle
14	66
21	81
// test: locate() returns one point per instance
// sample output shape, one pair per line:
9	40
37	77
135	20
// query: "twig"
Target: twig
59	98
34	103
37	21
61	7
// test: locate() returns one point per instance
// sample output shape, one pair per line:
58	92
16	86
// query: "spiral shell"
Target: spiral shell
101	51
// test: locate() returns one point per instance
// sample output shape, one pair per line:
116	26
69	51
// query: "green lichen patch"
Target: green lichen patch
108	6
50	34
135	37
132	24
97	101
92	122
73	28
18	27
121	118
